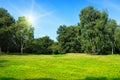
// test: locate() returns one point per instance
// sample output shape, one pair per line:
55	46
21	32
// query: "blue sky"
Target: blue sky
50	14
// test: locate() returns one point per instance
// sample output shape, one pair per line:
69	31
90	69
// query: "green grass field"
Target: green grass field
60	67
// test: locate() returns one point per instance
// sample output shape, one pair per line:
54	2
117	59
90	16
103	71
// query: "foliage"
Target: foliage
6	20
55	48
42	45
93	23
94	34
111	27
23	32
67	38
117	39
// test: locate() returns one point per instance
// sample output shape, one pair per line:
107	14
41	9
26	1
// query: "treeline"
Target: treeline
94	34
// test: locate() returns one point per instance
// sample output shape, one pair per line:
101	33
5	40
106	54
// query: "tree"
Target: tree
79	37
42	45
93	23
67	38
6	20
101	39
55	48
24	33
111	26
117	39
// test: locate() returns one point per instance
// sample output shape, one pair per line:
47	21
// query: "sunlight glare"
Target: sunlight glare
31	19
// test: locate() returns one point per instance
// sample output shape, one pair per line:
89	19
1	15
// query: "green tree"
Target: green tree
93	23
111	26
23	32
55	48
117	39
67	38
42	45
6	20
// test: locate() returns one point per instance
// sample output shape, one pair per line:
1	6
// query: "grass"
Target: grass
67	67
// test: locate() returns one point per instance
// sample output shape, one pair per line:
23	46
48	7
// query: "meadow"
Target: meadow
60	67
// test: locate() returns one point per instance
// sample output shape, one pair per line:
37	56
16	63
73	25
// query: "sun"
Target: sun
31	19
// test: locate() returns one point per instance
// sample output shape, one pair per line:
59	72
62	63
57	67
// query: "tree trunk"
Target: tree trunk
21	49
21	45
112	51
112	48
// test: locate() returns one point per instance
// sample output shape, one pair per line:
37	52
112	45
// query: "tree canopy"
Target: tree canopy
95	33
6	20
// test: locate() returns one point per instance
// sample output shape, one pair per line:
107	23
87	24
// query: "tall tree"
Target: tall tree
6	20
24	32
93	23
117	39
111	26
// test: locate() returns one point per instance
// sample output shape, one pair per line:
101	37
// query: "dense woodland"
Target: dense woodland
96	33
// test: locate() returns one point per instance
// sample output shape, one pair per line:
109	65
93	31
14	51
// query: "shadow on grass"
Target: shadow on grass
2	63
9	78
87	78
58	55
30	54
100	78
41	79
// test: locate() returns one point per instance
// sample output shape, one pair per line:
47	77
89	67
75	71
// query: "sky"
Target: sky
48	15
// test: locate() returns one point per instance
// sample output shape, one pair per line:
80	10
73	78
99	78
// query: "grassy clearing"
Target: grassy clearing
67	67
